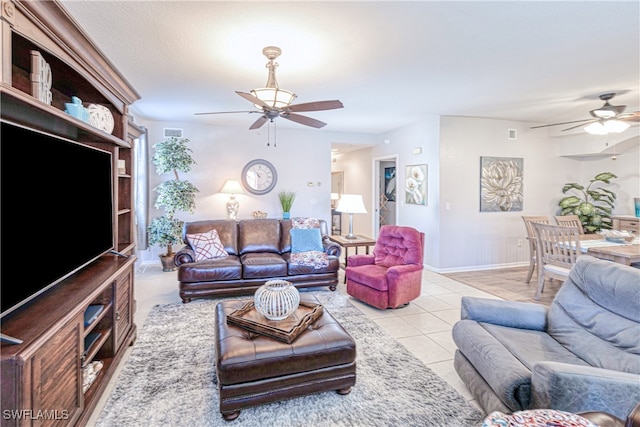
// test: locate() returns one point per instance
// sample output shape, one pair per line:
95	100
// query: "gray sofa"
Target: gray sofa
580	354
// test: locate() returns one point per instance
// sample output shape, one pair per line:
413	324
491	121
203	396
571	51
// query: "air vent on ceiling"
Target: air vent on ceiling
172	133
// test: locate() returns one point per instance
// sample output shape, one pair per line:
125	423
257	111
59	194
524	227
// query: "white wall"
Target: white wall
300	156
472	239
626	167
456	239
457	235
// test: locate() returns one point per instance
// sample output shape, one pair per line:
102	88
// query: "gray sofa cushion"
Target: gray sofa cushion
505	356
595	315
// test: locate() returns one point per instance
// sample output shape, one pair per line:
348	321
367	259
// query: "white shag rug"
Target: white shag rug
169	379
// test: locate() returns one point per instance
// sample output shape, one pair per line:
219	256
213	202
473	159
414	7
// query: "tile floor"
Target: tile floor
423	327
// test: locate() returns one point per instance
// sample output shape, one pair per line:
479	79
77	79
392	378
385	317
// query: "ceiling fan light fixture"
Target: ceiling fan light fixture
274	97
616	126
604	113
609	126
596	128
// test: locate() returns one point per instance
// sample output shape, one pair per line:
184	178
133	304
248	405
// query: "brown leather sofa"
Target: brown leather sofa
259	250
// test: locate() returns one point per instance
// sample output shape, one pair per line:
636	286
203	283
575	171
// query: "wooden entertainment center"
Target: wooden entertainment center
89	316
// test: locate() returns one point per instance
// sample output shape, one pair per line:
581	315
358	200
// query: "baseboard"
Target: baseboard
476	267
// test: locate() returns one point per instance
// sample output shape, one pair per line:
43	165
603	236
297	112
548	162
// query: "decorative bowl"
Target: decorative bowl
618	236
259	215
276	299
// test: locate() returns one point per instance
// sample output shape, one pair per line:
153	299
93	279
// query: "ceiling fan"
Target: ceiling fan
606	119
272	102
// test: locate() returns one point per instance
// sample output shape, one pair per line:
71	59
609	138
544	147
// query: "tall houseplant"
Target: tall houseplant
286	201
171	156
593	204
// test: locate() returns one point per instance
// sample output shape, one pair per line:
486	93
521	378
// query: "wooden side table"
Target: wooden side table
352	243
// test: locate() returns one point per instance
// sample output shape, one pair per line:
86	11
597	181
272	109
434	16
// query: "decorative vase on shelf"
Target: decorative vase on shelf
276	299
286	215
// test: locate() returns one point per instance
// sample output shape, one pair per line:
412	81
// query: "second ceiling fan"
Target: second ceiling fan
272	102
606	119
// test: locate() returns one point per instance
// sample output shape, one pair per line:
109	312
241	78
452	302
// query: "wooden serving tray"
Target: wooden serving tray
286	330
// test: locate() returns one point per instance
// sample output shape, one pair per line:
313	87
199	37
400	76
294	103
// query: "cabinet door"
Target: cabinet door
123	306
57	377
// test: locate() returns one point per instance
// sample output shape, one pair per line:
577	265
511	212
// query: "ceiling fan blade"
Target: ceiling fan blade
252	99
303	120
563	123
631	117
226	112
315	106
580	125
258	123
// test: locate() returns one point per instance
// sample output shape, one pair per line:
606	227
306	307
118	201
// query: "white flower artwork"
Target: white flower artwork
501	184
416	185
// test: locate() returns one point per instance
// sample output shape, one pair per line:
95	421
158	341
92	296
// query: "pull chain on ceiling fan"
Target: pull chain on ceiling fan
272	102
606	119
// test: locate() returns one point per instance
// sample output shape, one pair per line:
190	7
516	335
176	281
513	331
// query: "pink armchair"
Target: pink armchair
392	276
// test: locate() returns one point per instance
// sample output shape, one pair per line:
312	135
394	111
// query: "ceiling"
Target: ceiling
391	63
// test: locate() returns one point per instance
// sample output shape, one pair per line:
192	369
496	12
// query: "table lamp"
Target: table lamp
351	203
232	187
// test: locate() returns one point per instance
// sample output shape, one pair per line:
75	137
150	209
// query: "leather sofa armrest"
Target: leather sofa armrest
360	259
514	314
331	248
184	256
574	388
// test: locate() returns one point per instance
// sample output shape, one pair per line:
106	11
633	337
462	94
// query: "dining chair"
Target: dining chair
557	249
570	221
531	238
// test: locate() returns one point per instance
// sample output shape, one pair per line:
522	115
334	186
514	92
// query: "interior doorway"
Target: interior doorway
385	192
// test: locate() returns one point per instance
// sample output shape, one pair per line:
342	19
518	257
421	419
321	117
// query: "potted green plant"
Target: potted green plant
171	156
593	205
286	200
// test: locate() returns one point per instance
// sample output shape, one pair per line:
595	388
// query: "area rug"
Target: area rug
169	379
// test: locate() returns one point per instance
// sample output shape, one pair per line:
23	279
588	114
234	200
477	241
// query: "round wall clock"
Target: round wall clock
259	176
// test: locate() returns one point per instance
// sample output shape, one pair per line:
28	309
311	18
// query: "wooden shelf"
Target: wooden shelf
45	370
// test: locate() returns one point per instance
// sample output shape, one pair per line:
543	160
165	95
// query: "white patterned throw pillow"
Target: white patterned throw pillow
206	245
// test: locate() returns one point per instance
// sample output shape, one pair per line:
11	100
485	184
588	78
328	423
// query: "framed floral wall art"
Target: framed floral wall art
416	185
501	184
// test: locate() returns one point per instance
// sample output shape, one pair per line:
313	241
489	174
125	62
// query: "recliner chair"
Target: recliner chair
391	277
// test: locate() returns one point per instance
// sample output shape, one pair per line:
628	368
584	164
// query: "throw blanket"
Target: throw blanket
316	257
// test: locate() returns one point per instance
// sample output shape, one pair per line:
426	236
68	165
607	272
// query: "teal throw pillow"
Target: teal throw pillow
305	240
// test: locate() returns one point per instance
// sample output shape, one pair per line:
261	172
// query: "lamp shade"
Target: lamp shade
351	203
274	97
232	186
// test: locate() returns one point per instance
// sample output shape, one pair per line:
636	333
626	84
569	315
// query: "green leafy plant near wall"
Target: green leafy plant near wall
286	201
594	204
171	156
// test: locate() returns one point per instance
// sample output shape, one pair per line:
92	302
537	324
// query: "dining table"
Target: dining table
621	252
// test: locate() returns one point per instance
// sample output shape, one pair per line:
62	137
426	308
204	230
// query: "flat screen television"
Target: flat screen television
56	211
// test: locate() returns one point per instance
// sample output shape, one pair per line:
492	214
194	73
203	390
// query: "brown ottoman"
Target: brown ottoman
253	369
